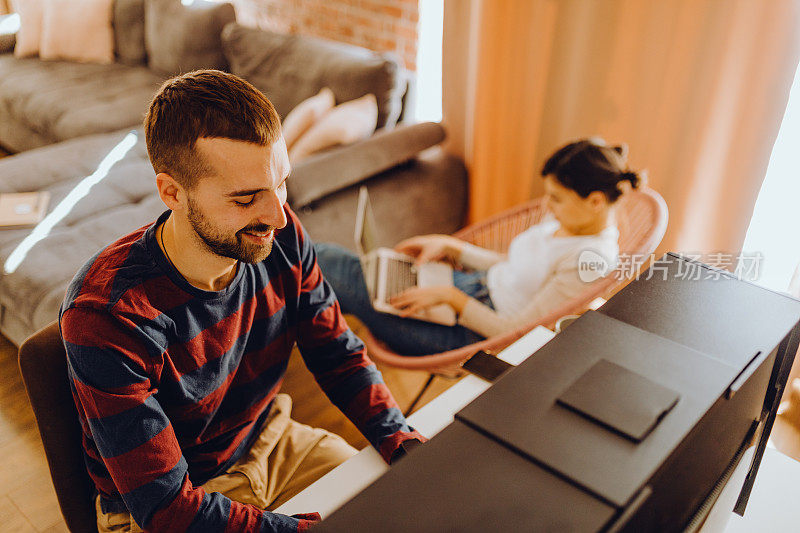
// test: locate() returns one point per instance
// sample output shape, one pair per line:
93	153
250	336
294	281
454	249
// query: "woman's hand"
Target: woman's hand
417	299
427	248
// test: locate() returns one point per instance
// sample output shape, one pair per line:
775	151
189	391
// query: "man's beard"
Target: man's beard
232	247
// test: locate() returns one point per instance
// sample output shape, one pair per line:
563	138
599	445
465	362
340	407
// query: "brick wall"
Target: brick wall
381	25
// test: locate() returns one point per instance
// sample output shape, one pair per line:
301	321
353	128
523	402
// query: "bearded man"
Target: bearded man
178	334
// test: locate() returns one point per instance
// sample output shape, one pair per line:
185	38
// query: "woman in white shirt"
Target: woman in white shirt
493	293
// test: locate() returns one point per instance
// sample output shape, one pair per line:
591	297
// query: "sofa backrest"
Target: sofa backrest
168	36
287	68
290	68
183	38
128	22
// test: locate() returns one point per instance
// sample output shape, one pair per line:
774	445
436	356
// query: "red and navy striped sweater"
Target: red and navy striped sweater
172	382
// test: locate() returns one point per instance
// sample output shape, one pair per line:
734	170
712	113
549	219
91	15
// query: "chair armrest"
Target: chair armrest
342	167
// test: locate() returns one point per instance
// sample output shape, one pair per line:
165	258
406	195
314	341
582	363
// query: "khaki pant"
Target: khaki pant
286	458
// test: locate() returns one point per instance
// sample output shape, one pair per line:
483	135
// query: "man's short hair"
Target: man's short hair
204	103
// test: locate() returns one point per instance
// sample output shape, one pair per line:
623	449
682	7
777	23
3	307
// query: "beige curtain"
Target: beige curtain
697	88
4	7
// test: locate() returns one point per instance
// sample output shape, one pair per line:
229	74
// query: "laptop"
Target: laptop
387	273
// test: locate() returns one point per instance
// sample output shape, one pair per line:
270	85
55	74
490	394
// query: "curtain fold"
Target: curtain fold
697	88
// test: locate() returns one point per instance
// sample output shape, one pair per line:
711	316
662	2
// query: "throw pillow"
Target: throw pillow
290	68
306	114
129	32
9	26
78	30
344	124
182	38
30	26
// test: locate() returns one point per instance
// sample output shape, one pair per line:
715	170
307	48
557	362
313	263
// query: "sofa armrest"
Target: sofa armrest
339	168
426	195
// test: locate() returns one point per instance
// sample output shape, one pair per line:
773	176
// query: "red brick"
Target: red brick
393	11
404	32
382	7
360	21
384	25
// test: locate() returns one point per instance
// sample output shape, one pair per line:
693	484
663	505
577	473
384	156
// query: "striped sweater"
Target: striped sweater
172	383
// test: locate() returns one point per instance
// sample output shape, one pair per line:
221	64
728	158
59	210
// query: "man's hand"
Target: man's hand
418	299
426	248
404	449
311	517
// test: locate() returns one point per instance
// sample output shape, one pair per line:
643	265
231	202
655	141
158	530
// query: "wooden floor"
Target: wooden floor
27	499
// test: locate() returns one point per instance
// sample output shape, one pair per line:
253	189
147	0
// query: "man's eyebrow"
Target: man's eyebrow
245	192
250	192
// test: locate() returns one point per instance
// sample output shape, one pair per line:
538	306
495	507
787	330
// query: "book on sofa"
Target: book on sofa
23	208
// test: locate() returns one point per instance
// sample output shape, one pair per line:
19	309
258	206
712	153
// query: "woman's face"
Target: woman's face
573	211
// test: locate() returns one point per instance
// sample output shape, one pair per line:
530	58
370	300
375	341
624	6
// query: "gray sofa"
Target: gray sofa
65	118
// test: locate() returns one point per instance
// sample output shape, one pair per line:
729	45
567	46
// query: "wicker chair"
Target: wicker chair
641	220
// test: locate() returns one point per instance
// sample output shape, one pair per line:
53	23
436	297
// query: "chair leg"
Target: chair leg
419	396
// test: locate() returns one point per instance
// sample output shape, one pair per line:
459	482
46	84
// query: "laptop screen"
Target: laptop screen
365	234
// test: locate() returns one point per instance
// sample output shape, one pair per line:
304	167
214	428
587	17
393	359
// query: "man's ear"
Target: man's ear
171	192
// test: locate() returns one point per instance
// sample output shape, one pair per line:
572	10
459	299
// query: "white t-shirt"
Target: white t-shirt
540	272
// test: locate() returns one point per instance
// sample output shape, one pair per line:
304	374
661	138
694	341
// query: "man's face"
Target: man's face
237	206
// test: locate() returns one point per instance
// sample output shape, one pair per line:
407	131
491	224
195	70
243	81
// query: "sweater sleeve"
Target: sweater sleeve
339	361
479	258
115	392
561	285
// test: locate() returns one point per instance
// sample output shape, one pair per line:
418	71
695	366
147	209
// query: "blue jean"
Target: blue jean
342	270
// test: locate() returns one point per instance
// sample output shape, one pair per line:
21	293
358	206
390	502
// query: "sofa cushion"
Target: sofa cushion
182	38
290	68
30	29
129	32
17	137
344	124
306	114
61	100
122	201
78	30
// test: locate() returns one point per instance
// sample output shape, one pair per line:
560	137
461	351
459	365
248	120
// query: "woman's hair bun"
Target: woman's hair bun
590	164
636	180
